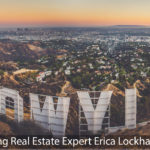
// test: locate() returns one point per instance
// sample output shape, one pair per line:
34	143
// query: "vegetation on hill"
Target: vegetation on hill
27	127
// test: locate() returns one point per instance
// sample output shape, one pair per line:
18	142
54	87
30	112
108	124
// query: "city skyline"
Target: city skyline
74	12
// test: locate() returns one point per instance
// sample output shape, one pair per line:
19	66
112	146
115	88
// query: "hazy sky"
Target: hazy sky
74	12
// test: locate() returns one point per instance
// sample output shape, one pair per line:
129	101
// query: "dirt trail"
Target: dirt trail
23	70
115	90
65	86
11	77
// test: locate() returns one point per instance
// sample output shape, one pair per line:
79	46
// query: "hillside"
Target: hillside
140	130
11	50
64	88
22	62
10	127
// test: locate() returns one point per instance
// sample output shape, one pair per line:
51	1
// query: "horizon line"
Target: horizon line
72	26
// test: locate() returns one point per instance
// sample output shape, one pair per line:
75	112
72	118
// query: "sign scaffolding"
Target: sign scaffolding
94	112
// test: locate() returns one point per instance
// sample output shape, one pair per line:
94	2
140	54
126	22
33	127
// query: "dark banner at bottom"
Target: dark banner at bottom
47	142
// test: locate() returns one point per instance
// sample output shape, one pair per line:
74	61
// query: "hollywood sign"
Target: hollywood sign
53	115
